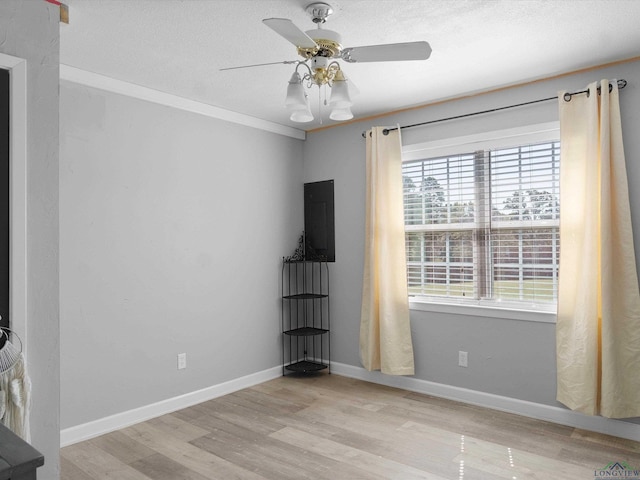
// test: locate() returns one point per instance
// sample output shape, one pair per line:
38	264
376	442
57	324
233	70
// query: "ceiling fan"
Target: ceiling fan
321	49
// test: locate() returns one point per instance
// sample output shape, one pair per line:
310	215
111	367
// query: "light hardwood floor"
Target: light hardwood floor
332	427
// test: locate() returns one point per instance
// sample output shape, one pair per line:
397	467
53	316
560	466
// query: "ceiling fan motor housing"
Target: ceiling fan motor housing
328	41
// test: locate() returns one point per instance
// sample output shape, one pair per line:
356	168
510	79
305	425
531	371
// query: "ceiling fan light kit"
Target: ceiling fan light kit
321	49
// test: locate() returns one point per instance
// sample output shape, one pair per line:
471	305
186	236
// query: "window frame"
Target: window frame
491	140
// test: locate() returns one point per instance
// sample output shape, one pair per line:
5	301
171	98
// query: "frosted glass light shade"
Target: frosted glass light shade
340	95
341	114
302	115
295	93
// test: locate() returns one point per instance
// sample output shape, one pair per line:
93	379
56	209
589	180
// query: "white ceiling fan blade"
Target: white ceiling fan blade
286	62
286	28
391	52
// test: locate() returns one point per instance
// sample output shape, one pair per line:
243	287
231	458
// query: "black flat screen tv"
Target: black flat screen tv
319	224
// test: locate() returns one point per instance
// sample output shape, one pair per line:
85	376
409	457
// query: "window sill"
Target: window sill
484	309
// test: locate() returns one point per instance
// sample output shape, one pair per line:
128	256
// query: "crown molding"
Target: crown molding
102	82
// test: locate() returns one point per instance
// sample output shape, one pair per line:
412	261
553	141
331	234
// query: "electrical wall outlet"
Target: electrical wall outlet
463	359
182	361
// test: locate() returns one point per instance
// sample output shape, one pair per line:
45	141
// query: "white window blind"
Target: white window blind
483	224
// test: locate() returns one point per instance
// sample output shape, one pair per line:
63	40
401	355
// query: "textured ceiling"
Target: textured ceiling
179	46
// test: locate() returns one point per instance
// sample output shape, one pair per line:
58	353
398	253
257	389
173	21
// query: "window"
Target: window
482	220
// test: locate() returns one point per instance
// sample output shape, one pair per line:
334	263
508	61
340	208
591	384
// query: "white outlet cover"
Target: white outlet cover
182	361
463	358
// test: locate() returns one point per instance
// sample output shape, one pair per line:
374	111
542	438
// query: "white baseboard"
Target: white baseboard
538	411
562	416
79	433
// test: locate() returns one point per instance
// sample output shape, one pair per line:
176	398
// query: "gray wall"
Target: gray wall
172	229
30	31
506	357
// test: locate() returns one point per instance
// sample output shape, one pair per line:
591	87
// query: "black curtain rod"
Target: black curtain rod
567	98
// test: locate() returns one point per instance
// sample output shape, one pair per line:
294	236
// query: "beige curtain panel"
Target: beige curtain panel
598	328
385	331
